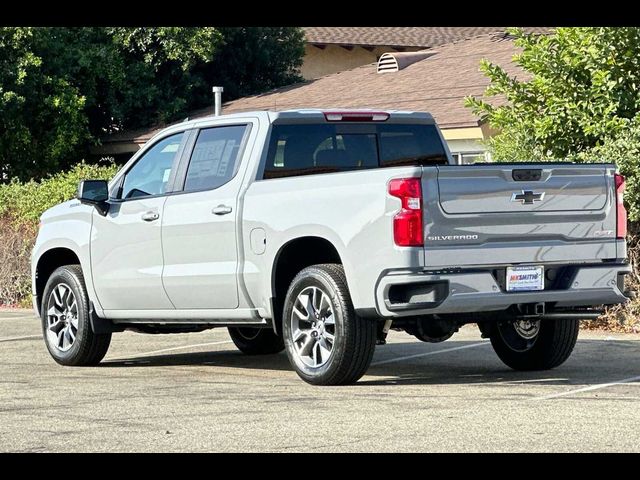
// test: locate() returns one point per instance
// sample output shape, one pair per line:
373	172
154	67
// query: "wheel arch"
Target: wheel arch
293	256
47	263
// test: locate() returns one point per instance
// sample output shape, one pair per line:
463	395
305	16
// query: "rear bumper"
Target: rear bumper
404	293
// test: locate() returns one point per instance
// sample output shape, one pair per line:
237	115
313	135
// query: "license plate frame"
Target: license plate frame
524	278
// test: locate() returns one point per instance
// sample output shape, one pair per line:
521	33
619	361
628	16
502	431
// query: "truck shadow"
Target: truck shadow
593	361
230	359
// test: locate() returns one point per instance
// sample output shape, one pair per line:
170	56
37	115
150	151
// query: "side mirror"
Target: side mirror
96	193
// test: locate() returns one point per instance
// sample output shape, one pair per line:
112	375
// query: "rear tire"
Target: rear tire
520	349
66	323
326	342
256	341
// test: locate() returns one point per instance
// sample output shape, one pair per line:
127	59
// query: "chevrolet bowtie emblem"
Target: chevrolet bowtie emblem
527	197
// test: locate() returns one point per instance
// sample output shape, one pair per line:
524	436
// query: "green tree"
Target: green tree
577	98
253	60
580	86
41	115
62	89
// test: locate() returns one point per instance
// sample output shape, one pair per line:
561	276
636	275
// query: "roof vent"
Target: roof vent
392	62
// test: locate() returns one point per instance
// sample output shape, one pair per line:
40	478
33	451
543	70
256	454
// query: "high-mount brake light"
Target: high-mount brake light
356	116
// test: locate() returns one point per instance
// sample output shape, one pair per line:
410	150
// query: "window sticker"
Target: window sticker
171	148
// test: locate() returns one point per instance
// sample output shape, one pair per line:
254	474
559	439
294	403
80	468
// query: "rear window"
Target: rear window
329	148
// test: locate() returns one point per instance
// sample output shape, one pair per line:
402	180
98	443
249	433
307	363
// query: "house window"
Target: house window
469	158
472	157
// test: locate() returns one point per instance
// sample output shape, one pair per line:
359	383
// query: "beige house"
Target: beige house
435	80
335	49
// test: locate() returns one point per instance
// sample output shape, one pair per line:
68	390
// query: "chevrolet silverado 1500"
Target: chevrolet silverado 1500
318	231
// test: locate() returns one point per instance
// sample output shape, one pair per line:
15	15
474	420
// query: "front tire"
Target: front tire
531	345
326	342
65	320
256	341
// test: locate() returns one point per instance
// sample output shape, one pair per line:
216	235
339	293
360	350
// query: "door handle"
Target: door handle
221	210
150	216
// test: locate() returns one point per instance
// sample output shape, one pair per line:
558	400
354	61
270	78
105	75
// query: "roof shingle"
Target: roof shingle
437	84
424	37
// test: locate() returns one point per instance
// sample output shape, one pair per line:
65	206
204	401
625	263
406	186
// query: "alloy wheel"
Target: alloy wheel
313	327
62	318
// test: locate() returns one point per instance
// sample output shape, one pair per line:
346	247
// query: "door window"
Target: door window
150	174
214	158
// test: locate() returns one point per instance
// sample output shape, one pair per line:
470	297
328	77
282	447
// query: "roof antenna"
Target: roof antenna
217	103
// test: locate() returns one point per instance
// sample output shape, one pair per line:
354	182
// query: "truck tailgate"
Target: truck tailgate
519	213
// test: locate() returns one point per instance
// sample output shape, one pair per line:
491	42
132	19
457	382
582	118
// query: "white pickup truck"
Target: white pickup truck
318	231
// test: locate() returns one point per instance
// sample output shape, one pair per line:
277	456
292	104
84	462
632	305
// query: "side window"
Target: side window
214	158
150	174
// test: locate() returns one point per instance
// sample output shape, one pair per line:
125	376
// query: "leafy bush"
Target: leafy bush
16	242
21	205
25	202
624	151
624	318
579	87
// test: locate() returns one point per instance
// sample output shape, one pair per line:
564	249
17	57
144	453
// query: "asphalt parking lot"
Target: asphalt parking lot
196	392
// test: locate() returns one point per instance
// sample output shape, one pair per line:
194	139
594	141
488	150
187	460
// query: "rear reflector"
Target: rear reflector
621	212
356	116
407	223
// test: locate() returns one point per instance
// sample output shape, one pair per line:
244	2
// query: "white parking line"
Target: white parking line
133	356
436	352
10	339
587	389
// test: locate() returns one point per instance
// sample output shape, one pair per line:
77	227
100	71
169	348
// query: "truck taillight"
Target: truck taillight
407	223
621	212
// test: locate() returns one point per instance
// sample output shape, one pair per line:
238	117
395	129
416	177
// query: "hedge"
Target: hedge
21	205
25	202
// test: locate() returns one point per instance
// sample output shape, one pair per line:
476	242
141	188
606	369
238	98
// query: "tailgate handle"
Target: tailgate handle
527	174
